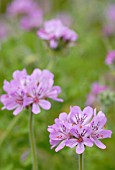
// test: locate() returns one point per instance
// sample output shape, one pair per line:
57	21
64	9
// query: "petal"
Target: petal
105	134
45	104
102	118
75	131
88	142
60	146
99	144
71	143
87	114
18	110
35	108
63	116
80	148
75	114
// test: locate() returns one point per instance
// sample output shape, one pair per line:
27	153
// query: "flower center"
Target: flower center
36	100
19	101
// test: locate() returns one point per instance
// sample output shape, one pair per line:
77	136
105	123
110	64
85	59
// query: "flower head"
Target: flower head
30	90
56	34
78	129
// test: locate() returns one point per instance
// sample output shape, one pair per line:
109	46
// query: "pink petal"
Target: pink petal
99	144
88	142
35	108
71	143
18	110
105	134
88	113
45	104
80	148
60	146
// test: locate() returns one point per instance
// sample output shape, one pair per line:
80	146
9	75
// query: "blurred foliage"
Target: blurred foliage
74	71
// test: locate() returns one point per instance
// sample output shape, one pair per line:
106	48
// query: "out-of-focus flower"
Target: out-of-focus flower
30	90
20	7
96	89
110	58
56	34
32	21
83	129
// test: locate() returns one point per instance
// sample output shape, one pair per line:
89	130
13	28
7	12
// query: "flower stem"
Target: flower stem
32	142
81	162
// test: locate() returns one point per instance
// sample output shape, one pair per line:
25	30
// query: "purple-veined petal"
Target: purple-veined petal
104	134
87	114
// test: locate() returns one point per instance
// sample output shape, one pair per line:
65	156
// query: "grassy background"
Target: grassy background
74	71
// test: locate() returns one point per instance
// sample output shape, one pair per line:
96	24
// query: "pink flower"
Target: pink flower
32	20
96	89
110	59
56	34
78	129
18	7
98	132
30	90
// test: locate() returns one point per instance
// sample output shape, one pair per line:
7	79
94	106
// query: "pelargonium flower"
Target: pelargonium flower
96	89
30	90
110	59
56	34
19	7
32	21
78	129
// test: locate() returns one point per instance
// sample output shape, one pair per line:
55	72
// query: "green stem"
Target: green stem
81	162
32	142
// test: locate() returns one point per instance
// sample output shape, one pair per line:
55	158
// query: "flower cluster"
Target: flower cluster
96	89
110	59
30	90
79	129
56	34
31	12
